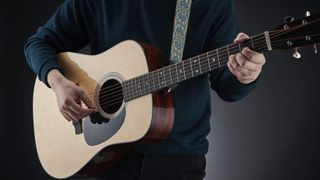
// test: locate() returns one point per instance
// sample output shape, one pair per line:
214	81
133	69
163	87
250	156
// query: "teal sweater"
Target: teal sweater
104	23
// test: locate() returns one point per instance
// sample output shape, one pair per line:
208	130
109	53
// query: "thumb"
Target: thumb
241	37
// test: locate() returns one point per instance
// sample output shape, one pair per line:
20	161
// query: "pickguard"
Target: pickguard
97	129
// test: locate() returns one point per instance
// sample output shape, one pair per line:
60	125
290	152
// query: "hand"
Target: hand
68	97
247	65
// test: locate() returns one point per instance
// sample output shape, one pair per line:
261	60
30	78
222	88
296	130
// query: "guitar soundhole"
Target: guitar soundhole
111	96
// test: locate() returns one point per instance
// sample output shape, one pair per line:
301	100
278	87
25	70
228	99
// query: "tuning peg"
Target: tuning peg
288	19
315	49
308	14
296	53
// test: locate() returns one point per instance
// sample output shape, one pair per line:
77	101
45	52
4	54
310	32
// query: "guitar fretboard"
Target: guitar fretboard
188	69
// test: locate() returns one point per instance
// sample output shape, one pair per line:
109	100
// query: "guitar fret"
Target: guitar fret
153	81
129	88
224	55
217	51
252	46
124	90
140	85
190	64
147	83
187	69
176	67
175	77
159	78
199	65
195	66
183	70
228	51
179	71
235	48
144	84
208	59
204	63
170	74
167	79
212	61
135	87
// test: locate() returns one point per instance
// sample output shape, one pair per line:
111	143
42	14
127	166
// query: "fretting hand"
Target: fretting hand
247	65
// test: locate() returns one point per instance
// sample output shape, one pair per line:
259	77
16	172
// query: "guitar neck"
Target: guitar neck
190	68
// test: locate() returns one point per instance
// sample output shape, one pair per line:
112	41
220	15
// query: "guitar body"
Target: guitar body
93	145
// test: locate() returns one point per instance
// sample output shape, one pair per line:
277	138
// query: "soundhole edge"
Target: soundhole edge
109	95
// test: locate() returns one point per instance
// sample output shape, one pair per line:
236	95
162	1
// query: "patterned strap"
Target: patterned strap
180	29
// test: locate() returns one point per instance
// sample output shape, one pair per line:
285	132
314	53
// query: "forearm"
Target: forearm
54	77
41	56
64	31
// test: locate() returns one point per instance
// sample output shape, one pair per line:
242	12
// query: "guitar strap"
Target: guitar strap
179	35
180	29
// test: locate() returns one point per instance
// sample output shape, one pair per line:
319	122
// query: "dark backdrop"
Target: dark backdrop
271	134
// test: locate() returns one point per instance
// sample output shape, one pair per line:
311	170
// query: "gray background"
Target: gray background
271	134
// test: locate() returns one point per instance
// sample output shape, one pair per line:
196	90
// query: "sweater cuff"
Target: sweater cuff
45	69
243	87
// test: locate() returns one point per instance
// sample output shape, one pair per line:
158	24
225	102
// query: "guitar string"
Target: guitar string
284	31
199	55
281	30
115	100
117	86
118	100
223	62
223	49
202	67
202	63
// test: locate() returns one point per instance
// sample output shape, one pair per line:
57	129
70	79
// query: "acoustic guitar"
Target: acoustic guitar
130	88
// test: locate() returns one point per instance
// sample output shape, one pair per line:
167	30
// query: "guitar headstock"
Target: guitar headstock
294	34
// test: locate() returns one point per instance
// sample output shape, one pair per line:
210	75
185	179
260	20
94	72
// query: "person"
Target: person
104	23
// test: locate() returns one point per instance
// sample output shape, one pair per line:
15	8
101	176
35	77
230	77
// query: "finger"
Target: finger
241	37
233	62
238	74
230	68
85	99
66	110
241	77
66	116
73	115
253	56
78	109
245	73
75	107
244	62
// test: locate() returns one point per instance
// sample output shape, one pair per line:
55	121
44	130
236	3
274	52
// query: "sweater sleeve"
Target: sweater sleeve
225	29
66	30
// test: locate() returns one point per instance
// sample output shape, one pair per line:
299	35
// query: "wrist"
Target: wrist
54	77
